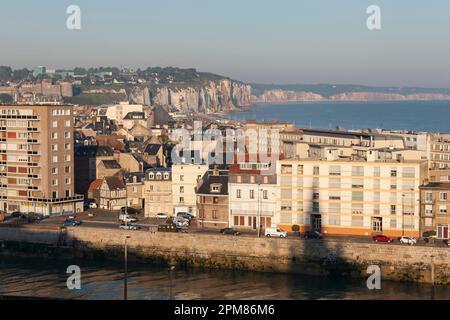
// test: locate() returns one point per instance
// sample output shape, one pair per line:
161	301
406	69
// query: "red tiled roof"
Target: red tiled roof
95	185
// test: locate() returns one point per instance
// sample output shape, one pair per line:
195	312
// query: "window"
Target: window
67	123
182	189
316	170
393	209
215	215
316	196
215	200
252	194
393	172
54	124
67	157
54	170
357	196
335	170
334	220
68	193
54	147
443	196
239	179
315	207
181	177
68	181
54	182
442	209
286	169
300	169
252	179
54	135
181	199
357	221
265	194
393	223
357	171
67	146
54	159
238	193
67	135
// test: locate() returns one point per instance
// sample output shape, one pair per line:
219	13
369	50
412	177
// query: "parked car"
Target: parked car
312	235
275	232
127	218
181	222
170	228
93	205
185	215
229	231
382	238
407	240
71	223
129	210
162	216
128	227
447	242
17	214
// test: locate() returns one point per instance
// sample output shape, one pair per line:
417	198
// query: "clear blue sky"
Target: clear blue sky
282	41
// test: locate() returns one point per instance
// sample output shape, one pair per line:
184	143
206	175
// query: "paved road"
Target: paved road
97	218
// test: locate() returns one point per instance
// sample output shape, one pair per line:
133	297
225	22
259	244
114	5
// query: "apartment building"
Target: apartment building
212	199
158	192
185	177
440	151
345	138
435	209
252	196
350	196
36	160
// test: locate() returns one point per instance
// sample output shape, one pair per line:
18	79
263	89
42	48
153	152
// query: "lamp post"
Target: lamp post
125	279
403	214
170	269
258	222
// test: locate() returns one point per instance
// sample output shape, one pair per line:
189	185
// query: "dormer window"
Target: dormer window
151	176
216	187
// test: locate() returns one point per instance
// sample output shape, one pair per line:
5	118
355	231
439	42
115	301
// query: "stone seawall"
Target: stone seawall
325	257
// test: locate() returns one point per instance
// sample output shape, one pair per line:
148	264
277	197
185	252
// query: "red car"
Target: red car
382	238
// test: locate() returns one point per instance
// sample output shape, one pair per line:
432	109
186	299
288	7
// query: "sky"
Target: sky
256	41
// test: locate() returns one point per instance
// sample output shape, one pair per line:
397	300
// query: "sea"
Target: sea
101	280
432	116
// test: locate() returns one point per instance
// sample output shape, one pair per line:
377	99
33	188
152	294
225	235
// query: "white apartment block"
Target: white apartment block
350	196
184	181
252	197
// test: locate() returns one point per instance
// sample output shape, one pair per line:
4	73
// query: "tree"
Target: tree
5	73
6	98
20	74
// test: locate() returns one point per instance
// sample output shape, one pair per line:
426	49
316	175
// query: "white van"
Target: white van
275	232
127	218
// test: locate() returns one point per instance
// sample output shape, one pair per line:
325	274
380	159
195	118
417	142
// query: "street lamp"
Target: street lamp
258	223
125	280
403	214
170	269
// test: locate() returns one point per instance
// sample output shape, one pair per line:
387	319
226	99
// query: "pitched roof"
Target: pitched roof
95	185
111	164
152	149
134	116
210	179
114	183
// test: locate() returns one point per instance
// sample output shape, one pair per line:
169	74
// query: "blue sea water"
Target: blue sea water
431	116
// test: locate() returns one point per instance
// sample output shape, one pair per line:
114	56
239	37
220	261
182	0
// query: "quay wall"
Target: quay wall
325	257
